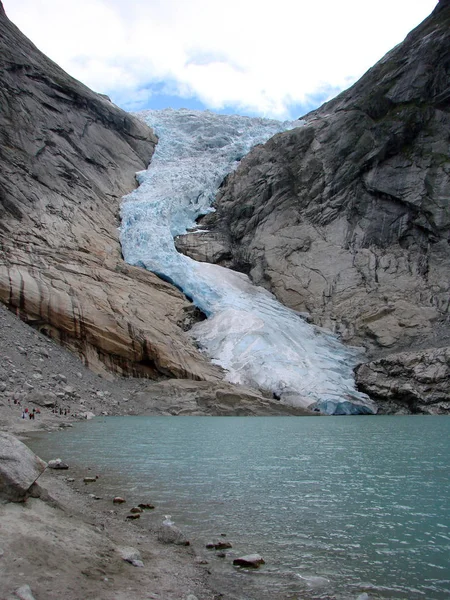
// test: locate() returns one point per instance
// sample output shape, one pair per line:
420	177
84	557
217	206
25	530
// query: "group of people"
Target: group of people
30	413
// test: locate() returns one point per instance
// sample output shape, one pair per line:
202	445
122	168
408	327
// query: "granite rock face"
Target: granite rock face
416	382
67	155
347	218
204	398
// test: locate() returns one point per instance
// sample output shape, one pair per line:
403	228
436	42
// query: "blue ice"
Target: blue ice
259	342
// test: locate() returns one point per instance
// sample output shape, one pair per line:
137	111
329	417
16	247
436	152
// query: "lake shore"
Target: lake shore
70	544
66	544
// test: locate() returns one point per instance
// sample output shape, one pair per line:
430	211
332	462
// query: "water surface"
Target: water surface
337	506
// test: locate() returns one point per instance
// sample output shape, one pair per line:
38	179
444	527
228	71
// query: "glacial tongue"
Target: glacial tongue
248	332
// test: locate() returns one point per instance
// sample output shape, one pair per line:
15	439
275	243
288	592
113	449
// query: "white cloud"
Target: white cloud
260	57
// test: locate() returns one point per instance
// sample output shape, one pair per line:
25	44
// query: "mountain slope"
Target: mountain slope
67	155
348	217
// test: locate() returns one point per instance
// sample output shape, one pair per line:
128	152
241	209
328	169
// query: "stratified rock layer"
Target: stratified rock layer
67	155
347	218
416	382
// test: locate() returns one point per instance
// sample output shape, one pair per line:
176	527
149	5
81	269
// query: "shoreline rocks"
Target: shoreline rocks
249	561
19	469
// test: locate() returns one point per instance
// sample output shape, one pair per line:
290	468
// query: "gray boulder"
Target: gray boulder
19	469
24	593
57	463
131	555
171	534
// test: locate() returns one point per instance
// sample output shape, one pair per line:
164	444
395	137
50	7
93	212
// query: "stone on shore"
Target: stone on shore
170	534
219	545
252	561
136	510
19	469
24	593
118	500
131	555
57	463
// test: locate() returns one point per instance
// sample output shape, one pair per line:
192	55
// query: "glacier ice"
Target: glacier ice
257	340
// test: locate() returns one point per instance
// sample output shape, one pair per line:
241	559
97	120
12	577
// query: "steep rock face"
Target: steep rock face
415	382
347	218
67	155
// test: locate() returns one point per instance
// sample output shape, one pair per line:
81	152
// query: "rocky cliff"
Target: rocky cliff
347	218
67	155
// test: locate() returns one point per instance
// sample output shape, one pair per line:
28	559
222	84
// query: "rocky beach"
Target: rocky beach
69	540
83	334
66	543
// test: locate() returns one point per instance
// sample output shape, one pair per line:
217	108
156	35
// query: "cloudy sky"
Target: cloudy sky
277	59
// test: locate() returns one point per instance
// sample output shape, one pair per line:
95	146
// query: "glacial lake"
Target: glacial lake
337	506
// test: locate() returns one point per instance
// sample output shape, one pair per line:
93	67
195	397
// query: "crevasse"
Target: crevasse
257	340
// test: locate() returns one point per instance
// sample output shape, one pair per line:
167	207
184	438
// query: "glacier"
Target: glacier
259	342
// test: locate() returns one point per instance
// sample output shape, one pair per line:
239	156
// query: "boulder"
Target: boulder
219	545
171	534
252	561
19	469
131	555
118	500
44	399
24	593
57	463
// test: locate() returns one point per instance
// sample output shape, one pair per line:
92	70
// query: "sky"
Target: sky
274	59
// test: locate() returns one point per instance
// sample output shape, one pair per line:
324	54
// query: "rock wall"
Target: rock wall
416	382
347	218
67	155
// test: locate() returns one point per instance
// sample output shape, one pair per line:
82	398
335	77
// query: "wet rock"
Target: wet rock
133	516
90	479
57	463
252	561
19	468
219	545
131	555
119	500
136	510
171	534
146	506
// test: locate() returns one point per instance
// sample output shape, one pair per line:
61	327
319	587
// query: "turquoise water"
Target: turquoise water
337	506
